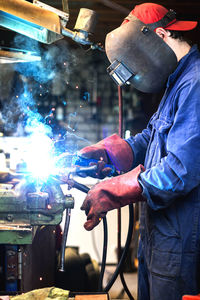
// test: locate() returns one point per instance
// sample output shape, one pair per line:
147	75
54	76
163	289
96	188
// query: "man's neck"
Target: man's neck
180	48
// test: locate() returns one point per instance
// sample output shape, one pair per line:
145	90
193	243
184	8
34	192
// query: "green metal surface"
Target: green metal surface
21	213
16	237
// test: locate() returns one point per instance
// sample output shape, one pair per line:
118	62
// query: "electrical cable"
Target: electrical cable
85	189
125	251
105	246
126	289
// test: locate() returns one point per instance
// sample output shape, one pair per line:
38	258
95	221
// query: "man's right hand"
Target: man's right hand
111	150
97	152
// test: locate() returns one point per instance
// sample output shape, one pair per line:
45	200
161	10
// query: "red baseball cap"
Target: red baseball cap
150	13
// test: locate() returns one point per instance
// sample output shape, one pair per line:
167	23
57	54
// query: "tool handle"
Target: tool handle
85	162
79	186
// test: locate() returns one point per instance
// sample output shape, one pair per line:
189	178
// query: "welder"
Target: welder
160	167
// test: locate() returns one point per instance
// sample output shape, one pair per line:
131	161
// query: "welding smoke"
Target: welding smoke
21	105
52	77
52	58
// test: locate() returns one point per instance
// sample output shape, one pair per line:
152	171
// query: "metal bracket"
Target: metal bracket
64	16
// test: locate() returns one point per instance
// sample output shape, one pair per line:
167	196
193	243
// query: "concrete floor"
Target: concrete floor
116	291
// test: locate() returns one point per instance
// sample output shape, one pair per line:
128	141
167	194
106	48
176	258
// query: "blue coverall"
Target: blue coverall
169	148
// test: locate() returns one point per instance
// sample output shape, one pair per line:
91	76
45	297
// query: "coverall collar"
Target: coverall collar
180	66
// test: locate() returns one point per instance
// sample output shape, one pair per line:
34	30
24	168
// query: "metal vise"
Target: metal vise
25	206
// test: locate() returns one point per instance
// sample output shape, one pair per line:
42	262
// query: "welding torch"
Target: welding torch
65	178
82	167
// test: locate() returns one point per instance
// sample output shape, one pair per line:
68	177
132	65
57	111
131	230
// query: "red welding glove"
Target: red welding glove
188	297
112	149
110	194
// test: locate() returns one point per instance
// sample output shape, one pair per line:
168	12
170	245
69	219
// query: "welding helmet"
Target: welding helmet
137	54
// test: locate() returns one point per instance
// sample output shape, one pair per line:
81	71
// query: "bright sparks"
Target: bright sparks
39	157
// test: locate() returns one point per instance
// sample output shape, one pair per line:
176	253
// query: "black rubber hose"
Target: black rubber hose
105	247
126	289
85	189
125	251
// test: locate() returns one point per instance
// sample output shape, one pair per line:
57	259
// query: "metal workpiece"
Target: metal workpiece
30	20
86	21
34	14
46	24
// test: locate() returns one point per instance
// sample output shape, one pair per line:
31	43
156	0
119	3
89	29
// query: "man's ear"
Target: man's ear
161	32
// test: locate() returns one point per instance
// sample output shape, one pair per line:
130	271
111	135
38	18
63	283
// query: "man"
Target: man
161	168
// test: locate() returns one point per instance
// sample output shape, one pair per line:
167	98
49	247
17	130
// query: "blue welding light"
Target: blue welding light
39	156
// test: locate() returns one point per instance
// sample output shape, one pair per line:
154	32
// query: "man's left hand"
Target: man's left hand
110	194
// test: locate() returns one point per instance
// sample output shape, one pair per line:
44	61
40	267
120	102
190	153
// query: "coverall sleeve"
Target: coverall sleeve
178	172
139	144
